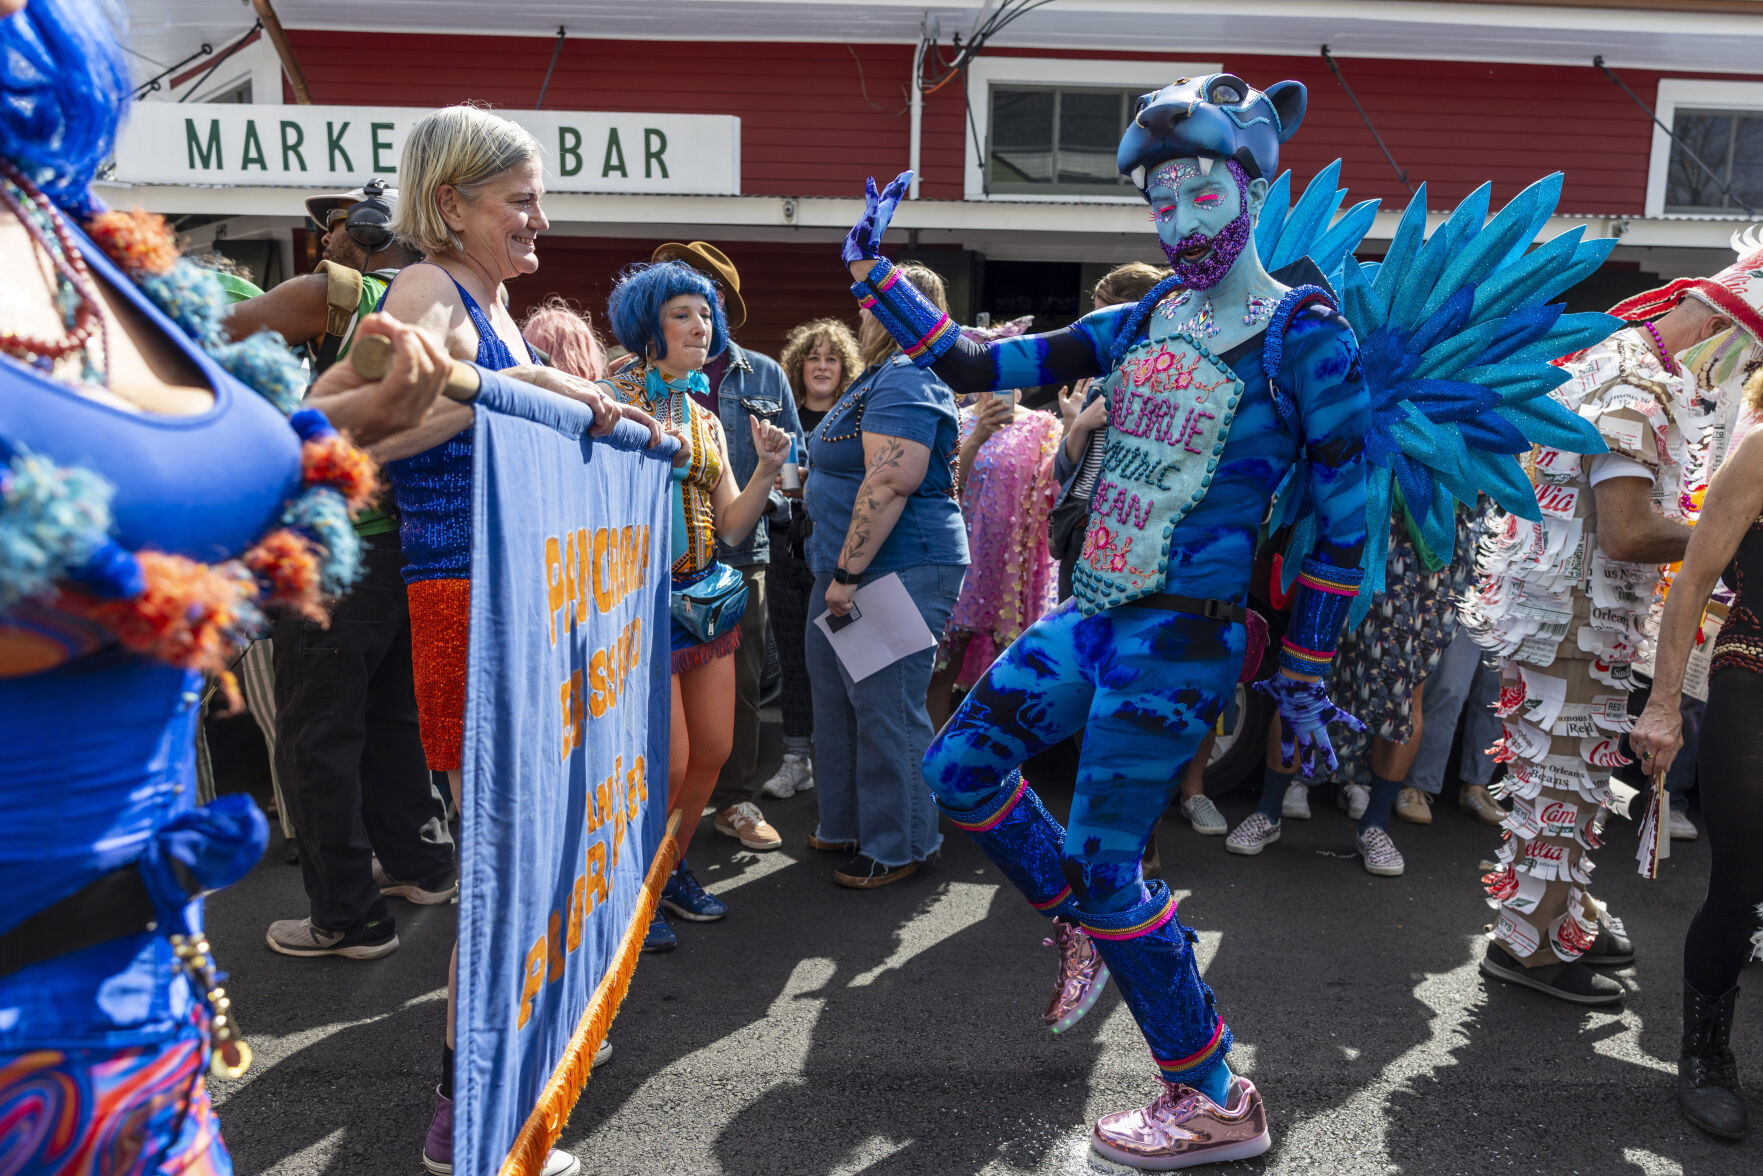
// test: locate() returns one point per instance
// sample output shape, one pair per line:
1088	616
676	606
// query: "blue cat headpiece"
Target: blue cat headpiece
1219	116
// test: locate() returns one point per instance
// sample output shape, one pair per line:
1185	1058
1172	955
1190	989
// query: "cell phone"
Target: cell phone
837	623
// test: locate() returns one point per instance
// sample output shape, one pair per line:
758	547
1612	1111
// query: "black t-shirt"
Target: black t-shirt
810	419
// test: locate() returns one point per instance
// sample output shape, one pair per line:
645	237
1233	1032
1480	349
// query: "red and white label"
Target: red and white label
1604	753
1558	501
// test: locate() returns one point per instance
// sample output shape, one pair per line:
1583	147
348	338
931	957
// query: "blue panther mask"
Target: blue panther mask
1219	116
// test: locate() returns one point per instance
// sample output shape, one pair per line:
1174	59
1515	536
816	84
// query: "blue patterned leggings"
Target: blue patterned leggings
1146	684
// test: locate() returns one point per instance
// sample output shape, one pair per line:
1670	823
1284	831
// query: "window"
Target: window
1046	129
1057	140
1730	143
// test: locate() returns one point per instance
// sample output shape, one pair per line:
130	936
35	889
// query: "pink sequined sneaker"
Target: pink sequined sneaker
1082	976
1182	1128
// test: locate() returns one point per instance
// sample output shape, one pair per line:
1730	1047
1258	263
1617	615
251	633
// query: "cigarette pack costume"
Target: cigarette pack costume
1427	374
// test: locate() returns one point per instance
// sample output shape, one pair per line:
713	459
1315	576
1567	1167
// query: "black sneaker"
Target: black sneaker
368	941
1609	949
1574	983
865	873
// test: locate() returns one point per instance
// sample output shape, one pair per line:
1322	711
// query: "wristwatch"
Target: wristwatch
841	576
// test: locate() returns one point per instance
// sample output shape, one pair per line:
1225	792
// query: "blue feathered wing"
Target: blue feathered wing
1456	331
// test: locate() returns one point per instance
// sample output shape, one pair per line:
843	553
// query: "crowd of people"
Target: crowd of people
978	466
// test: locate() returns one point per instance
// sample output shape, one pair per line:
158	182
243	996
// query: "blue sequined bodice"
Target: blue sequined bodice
433	488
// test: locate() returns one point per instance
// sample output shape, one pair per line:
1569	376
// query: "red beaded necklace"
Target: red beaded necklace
75	297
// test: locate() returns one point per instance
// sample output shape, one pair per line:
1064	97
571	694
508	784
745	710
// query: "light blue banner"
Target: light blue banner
565	759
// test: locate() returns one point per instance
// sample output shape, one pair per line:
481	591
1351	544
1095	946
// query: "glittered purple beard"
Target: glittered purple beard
1227	244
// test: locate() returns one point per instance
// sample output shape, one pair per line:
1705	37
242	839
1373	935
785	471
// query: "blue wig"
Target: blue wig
63	86
640	293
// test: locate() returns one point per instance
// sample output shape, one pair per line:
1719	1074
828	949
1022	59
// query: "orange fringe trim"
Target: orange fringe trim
140	242
545	1124
287	561
190	614
334	462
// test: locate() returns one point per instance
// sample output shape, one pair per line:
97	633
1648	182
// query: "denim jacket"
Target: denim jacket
754	385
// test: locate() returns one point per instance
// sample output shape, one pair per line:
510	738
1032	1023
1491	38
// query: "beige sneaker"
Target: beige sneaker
1475	800
1414	806
748	825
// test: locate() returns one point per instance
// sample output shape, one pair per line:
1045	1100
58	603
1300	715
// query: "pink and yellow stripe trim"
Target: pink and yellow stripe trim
1049	904
934	336
1322	581
1144	926
992	821
1179	1066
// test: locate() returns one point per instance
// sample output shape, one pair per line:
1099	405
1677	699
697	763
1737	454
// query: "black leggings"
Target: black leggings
1729	765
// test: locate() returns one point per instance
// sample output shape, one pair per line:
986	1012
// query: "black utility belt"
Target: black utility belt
1212	610
110	906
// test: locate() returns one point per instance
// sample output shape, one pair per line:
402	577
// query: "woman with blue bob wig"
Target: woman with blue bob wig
670	317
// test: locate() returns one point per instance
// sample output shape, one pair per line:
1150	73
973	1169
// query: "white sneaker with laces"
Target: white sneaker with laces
1204	816
1682	828
1255	834
1353	798
1297	802
1380	853
794	775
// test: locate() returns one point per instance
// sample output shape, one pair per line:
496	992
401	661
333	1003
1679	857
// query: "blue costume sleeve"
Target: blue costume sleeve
1320	369
931	339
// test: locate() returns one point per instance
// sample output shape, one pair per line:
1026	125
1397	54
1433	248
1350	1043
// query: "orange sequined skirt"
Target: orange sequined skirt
440	624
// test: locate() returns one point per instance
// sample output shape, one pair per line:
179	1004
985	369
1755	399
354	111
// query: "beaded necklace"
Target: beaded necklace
1664	355
86	335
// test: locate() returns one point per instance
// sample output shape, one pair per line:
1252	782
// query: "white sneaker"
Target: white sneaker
1255	834
1353	798
1682	828
794	775
1297	802
1204	816
1380	853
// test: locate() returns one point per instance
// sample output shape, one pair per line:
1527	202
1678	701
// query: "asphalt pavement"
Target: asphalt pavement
895	1032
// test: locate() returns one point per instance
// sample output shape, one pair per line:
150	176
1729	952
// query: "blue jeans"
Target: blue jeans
1462	685
870	736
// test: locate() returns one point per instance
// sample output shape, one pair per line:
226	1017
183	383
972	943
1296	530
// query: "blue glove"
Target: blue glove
863	242
1305	713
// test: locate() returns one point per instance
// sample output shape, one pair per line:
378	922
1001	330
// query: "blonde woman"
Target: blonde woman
820	361
472	187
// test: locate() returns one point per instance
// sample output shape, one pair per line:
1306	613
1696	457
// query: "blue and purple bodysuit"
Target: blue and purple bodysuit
1146	655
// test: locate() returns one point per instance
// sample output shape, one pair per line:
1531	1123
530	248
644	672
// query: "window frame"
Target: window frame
1100	73
1736	97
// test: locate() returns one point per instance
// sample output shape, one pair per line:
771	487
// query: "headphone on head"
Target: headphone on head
369	223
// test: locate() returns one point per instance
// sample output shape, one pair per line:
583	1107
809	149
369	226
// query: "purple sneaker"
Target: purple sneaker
437	1150
1082	976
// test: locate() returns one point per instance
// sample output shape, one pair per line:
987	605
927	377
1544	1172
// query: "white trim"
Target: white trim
1052	71
1676	92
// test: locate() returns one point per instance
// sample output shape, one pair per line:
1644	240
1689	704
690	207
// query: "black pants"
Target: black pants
787	589
348	751
1729	766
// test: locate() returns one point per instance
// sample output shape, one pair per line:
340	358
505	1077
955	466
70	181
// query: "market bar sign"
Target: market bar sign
227	144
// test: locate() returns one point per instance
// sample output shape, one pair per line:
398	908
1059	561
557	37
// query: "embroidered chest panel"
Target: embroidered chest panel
1170	405
702	474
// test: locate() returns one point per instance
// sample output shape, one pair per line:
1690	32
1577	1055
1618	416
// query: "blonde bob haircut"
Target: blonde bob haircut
465	146
880	345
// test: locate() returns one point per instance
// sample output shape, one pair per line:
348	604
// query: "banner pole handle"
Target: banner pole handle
371	357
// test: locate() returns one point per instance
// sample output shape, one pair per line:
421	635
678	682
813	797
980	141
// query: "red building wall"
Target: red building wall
817	118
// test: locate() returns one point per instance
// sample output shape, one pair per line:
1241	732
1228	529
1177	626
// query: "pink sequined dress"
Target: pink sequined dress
1013	578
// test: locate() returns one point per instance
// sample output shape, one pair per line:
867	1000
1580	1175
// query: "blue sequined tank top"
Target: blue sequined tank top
433	488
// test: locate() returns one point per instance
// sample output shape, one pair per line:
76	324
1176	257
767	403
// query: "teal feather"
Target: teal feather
1309	217
1404	246
1272	217
1338	243
1408	305
1493	244
1522	280
1359	301
1546	422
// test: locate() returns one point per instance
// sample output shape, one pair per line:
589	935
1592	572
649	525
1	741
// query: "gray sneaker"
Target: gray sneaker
1255	834
439	893
1204	816
298	937
1296	803
1353	800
